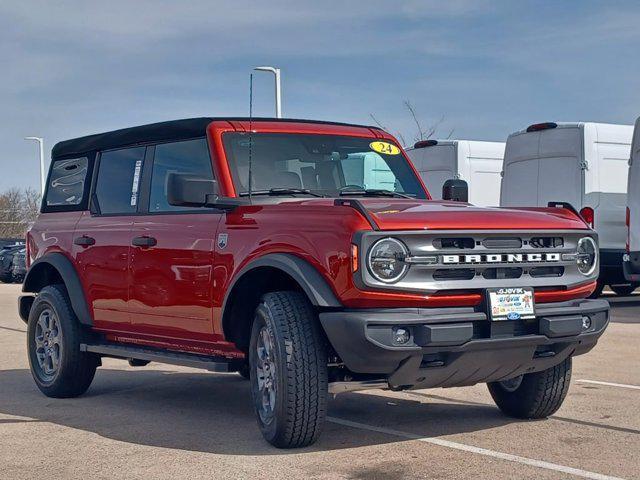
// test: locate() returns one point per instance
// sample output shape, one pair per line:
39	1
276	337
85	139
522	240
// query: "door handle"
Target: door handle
84	241
144	242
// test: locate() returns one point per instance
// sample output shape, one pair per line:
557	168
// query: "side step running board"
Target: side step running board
212	364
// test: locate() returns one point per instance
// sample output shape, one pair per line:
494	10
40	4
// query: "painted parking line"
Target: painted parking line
477	450
609	384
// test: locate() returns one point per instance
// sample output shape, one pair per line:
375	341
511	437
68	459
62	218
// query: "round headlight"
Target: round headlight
587	258
386	260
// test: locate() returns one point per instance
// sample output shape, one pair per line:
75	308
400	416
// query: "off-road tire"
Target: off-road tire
245	371
76	369
624	290
300	362
598	291
539	395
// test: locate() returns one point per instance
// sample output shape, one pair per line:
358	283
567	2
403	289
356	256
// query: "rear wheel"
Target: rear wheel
288	370
59	368
533	395
623	290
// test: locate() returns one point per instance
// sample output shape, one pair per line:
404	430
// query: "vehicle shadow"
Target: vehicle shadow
212	413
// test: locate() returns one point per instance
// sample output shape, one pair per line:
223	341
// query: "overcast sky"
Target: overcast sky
71	68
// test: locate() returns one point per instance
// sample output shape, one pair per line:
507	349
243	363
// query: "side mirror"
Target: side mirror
455	190
186	190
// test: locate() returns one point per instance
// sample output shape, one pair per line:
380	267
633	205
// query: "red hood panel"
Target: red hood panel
401	214
433	215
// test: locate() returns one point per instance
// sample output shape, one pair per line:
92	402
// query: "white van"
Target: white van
584	164
478	163
632	260
368	170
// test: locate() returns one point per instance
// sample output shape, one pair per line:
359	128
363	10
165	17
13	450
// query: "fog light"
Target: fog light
586	323
401	335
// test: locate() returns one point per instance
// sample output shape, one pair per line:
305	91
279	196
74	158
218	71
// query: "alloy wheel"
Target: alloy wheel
266	375
48	341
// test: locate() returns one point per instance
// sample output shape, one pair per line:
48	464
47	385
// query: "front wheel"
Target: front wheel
624	290
59	368
533	395
288	370
598	291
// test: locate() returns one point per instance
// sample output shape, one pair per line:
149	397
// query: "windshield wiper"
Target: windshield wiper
373	192
282	191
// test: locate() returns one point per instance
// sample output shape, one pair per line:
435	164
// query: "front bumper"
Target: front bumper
452	347
631	267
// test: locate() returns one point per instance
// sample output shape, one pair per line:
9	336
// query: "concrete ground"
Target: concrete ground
170	422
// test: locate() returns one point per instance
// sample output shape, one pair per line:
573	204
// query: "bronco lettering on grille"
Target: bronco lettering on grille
502	258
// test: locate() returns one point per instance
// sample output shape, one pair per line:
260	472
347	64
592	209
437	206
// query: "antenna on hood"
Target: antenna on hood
250	133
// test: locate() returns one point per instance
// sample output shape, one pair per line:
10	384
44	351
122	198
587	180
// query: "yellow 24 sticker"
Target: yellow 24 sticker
384	148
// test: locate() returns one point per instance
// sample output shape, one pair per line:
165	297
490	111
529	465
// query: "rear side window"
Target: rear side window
119	180
191	156
67	182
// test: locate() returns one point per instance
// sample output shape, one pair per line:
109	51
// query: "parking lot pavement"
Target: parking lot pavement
172	422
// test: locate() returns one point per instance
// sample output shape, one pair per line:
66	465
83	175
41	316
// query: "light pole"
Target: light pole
276	73
40	140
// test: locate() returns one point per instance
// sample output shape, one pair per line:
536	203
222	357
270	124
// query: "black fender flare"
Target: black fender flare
312	283
34	282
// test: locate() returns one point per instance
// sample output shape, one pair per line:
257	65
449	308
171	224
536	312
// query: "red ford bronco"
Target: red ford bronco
308	257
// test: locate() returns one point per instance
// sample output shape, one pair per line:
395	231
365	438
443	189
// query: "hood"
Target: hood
409	214
396	214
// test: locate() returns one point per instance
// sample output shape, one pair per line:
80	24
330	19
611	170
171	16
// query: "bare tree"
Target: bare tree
397	134
31	199
18	210
422	133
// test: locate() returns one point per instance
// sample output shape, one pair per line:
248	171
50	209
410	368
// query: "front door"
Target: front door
172	248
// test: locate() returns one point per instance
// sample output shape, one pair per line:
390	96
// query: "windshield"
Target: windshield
325	165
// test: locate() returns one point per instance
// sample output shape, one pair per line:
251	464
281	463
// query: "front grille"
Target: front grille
546	242
454	274
476	260
502	243
502	273
451	243
540	272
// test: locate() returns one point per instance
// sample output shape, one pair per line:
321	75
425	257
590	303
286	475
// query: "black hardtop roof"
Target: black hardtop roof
172	130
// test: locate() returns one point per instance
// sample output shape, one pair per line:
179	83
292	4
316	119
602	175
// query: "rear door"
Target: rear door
520	178
102	237
171	291
612	148
480	164
436	164
634	191
560	177
541	167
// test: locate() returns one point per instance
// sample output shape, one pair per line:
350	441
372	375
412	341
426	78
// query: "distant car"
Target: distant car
6	261
19	266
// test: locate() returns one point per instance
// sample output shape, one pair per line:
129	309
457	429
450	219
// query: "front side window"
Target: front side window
323	164
119	180
190	157
67	182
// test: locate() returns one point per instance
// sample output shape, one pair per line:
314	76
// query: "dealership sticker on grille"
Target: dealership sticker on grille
511	304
